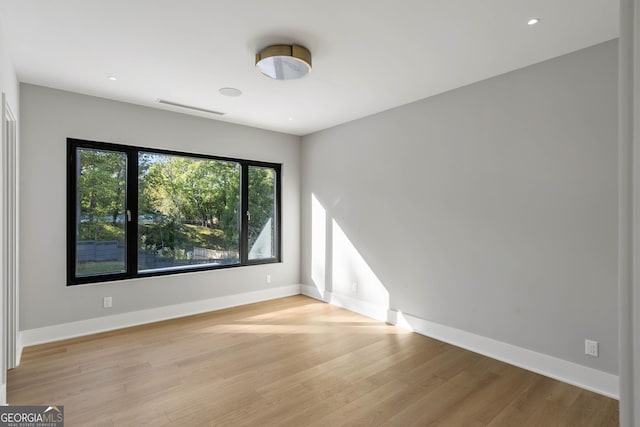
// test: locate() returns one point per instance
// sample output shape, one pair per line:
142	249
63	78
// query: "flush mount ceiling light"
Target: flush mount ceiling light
533	21
284	62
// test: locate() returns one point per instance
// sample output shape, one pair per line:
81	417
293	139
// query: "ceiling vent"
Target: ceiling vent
189	107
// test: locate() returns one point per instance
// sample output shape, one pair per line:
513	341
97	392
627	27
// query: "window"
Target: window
188	212
101	229
136	212
262	212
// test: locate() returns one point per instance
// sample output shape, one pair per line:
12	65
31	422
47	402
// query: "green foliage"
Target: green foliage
101	194
177	192
101	231
162	237
183	202
88	268
261	199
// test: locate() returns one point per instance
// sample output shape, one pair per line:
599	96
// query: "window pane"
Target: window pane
262	213
101	180
187	212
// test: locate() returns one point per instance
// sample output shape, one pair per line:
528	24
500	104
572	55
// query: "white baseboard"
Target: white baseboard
581	376
117	321
562	370
313	292
344	301
19	348
553	367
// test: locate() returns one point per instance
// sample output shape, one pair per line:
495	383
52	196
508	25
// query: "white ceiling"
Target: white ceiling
368	55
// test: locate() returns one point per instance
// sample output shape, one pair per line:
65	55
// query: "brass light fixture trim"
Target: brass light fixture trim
284	62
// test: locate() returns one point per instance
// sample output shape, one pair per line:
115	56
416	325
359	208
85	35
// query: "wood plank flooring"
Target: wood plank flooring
291	362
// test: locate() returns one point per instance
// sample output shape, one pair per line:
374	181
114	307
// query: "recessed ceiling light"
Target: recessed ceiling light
533	21
112	78
284	62
230	91
290	118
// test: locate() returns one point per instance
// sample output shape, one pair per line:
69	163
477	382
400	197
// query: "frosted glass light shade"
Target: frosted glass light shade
284	62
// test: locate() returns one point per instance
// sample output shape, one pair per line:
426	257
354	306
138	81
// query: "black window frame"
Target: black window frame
132	205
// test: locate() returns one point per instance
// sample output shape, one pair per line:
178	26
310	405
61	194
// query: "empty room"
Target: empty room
374	213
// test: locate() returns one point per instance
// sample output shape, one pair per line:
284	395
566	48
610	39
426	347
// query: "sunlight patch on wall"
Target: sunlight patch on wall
351	274
318	243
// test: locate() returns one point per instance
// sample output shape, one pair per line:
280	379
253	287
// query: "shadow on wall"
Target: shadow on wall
340	274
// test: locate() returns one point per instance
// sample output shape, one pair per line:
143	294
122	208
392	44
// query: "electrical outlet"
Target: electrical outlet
107	302
267	278
591	348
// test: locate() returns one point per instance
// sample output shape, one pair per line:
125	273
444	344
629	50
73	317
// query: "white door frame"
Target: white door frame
10	238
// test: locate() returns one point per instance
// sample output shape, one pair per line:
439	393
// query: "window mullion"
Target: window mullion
244	212
278	219
132	207
73	215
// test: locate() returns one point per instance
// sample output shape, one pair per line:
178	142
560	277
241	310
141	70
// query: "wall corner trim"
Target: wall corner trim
80	328
578	375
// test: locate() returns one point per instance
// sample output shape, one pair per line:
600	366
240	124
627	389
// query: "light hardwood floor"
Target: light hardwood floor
292	361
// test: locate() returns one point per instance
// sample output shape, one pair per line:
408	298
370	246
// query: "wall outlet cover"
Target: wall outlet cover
591	348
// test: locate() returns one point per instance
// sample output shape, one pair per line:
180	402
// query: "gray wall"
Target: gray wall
8	80
491	208
49	117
